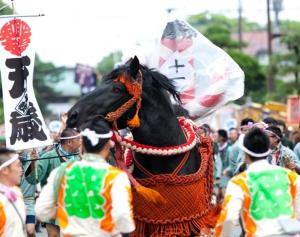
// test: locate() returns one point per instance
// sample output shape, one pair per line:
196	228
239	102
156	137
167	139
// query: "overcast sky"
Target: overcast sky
74	31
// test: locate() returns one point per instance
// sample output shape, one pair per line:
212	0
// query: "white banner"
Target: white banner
205	75
24	124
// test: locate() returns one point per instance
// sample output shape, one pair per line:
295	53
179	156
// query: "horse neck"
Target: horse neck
159	127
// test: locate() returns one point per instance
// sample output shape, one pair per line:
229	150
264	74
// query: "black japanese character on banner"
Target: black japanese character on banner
177	66
26	126
19	75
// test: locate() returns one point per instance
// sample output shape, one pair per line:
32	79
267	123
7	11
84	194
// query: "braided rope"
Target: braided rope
186	125
135	90
113	116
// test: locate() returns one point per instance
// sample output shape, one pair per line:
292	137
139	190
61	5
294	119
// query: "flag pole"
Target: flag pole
16	16
13	7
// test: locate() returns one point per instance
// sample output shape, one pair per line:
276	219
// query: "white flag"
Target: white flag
24	124
205	75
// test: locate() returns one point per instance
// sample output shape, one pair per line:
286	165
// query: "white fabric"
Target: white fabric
11	104
94	137
251	153
13	225
10	161
121	212
272	133
205	75
70	137
235	205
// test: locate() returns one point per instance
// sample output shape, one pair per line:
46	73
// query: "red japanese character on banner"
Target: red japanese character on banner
15	36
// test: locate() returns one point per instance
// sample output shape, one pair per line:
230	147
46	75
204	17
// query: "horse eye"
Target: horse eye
117	89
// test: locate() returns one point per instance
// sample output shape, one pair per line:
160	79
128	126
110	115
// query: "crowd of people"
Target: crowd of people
81	194
256	172
256	168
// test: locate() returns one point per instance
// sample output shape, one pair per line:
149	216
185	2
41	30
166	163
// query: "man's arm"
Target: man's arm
231	210
36	171
297	198
45	207
121	204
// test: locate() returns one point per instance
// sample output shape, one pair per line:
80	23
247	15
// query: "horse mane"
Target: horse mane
158	79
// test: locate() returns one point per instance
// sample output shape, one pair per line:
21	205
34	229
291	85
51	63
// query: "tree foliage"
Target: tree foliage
203	20
286	64
5	11
255	80
108	62
44	74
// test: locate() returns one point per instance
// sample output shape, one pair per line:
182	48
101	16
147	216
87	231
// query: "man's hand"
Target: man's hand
291	166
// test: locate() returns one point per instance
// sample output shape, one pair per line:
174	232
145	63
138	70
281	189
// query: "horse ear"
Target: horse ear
134	67
72	118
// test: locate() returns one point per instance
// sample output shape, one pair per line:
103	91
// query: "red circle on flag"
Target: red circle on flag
15	36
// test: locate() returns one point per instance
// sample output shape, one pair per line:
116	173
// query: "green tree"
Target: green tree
203	20
5	11
220	36
45	74
218	29
285	65
255	79
108	62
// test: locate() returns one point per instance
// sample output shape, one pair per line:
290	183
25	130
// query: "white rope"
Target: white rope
158	151
272	133
10	161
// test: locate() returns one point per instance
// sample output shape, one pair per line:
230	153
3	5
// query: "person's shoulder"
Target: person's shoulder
287	150
239	178
51	152
115	170
297	146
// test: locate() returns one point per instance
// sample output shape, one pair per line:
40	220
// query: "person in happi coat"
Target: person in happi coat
224	146
12	207
28	191
235	154
265	199
296	140
38	171
89	197
280	154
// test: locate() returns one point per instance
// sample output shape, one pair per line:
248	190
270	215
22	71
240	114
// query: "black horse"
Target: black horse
159	125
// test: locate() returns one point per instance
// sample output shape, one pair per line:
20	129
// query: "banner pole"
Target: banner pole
16	16
13	7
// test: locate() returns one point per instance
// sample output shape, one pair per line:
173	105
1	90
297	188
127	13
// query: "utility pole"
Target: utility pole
240	25
277	8
270	77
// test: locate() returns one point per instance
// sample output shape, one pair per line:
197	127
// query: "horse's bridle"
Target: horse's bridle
134	88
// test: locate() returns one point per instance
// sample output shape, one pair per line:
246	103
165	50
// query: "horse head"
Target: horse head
132	84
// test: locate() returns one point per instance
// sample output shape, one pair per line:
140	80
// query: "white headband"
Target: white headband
70	137
10	161
251	153
273	133
94	137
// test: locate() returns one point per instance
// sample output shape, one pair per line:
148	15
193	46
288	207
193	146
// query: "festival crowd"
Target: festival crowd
72	188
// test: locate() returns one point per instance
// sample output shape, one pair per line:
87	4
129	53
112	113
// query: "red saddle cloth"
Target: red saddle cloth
188	210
